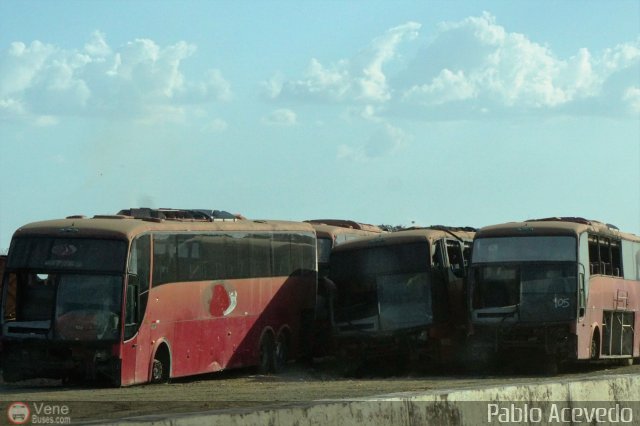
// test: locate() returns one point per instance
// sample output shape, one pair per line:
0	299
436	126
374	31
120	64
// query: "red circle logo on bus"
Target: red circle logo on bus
220	301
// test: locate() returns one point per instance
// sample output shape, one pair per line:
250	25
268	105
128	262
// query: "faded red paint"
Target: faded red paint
202	339
608	294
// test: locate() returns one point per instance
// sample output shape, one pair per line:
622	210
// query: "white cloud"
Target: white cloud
494	67
359	79
140	79
373	83
21	65
97	46
281	117
215	126
386	140
320	83
11	107
467	67
446	87
45	121
632	97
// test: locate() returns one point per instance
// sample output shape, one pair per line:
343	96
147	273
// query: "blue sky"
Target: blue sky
386	112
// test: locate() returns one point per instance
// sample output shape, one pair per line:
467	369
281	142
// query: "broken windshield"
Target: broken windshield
385	282
540	291
83	307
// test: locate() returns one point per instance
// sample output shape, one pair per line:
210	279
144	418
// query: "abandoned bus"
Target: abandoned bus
400	294
567	287
144	299
330	233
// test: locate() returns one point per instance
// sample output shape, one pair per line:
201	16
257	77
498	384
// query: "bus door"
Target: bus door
439	281
136	344
456	272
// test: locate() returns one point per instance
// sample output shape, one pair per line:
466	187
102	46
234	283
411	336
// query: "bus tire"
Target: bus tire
266	361
595	345
281	351
161	366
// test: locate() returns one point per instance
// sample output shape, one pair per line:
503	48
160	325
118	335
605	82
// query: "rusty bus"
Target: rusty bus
568	288
330	233
150	296
400	296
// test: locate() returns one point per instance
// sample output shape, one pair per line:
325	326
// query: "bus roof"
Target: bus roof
127	227
164	213
554	226
346	224
407	236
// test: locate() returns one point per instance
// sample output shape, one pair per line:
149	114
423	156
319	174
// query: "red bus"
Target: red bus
400	296
153	297
568	288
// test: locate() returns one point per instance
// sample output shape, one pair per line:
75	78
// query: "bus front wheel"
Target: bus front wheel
595	346
161	366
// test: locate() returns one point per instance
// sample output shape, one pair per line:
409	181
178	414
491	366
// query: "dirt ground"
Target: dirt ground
244	389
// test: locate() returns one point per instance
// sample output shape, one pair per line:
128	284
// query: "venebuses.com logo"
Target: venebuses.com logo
18	413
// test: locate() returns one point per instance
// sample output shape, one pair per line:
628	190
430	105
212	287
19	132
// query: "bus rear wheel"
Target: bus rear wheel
266	362
281	352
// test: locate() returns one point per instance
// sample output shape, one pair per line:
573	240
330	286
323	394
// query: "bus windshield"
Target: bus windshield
524	249
64	288
537	289
388	285
84	307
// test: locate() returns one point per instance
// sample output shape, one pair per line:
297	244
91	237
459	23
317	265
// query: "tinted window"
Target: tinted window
198	257
68	253
522	249
381	260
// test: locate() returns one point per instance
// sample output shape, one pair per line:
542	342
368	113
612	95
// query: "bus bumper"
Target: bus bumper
67	361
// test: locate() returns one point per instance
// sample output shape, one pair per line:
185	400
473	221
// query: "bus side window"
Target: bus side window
437	259
616	259
605	256
466	253
456	260
594	256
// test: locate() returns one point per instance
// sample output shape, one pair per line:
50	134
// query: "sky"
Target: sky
461	113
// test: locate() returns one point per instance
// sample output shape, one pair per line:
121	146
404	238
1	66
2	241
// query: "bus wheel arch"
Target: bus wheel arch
161	364
594	351
266	351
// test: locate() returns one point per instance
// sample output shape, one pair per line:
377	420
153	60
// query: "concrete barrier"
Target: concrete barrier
606	399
